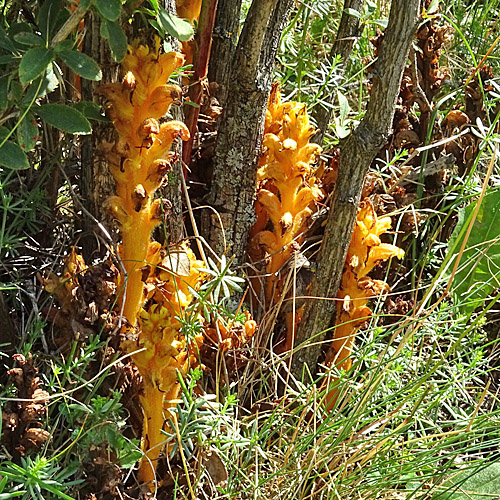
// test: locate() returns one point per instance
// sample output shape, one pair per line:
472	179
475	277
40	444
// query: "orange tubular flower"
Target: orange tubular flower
286	189
365	252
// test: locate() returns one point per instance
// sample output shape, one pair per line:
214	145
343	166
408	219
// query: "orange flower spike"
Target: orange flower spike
165	354
140	158
365	252
286	190
158	366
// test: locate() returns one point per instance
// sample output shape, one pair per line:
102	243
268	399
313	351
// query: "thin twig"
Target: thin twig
66	29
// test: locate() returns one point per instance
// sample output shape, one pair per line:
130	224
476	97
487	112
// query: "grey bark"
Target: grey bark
241	128
357	152
344	42
224	41
173	191
97	183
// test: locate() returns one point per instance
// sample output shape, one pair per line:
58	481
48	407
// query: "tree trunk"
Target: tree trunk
201	56
348	30
224	40
357	152
174	226
97	183
240	132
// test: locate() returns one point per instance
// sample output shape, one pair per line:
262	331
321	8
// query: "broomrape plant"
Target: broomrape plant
288	187
286	190
140	160
365	251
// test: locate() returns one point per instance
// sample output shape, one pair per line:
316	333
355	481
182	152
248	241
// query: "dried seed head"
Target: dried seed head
160	209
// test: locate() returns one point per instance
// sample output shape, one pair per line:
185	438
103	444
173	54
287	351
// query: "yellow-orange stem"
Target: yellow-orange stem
152	403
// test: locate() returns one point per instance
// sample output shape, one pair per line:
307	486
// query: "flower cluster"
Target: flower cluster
287	189
155	293
165	350
141	158
357	288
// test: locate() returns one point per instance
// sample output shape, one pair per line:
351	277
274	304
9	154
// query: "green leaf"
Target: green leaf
64	118
7	59
5	496
481	484
27	133
81	64
479	270
109	9
353	12
129	458
5	41
49	83
154	4
64	45
51	17
4	92
11	155
116	38
91	111
381	22
175	26
433	7
344	107
26	38
34	63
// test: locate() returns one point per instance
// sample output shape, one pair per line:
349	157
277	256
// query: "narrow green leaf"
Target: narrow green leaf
81	64
64	118
5	496
116	38
175	26
154	4
479	270
109	9
34	63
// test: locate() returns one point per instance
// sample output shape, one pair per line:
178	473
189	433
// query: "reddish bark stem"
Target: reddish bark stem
201	56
